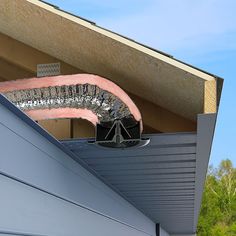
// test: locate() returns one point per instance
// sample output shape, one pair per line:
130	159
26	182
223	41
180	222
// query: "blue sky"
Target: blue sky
201	33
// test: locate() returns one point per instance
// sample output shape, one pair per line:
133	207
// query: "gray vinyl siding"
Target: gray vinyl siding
45	192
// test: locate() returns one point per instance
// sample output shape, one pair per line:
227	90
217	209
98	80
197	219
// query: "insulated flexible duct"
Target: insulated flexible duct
86	96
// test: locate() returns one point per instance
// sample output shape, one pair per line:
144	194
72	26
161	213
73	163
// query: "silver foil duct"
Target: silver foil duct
105	105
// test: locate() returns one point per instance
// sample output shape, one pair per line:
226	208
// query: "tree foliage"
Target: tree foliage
218	209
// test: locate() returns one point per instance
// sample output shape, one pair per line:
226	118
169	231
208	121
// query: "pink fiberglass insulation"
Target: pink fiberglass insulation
85	96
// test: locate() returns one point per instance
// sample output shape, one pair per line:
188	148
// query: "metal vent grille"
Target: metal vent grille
50	69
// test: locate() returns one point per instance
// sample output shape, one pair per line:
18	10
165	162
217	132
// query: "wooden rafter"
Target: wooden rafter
161	119
27	57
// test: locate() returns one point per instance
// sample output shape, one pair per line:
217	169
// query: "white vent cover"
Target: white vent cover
50	69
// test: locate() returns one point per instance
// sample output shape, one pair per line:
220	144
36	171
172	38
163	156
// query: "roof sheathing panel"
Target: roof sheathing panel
138	69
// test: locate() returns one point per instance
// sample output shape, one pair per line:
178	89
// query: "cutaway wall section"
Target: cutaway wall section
159	77
13	66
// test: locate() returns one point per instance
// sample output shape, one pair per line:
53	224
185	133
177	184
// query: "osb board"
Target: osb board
9	71
26	57
144	72
210	99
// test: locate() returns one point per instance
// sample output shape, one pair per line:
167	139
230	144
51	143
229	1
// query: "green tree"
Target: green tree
218	209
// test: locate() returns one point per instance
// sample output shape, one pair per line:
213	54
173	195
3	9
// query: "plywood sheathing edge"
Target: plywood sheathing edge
210	96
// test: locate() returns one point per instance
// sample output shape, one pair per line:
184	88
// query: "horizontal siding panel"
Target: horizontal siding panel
136	152
152	178
138	159
144	172
165	202
142	166
151	189
34	212
154	199
153	185
159	193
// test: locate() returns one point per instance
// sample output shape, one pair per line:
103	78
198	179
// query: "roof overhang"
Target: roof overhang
142	71
136	68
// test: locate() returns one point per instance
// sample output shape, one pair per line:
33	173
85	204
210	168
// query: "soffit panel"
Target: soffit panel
159	179
164	179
